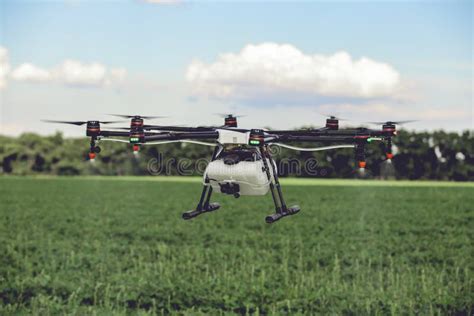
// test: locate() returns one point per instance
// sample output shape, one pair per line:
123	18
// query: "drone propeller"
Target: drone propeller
224	115
332	121
393	122
333	117
137	116
79	123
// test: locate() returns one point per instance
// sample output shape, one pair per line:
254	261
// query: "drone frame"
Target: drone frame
229	134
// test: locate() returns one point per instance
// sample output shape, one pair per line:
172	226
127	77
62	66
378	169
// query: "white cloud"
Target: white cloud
74	72
29	72
269	68
4	67
71	72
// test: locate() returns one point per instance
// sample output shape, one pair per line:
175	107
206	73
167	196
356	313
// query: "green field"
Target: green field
119	245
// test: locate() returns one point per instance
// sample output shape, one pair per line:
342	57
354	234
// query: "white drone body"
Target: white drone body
250	176
245	174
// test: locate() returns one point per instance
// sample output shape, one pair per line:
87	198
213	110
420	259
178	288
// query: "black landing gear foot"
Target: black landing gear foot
289	211
210	208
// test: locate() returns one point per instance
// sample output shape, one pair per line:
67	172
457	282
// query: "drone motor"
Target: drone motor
389	128
136	122
230	121
332	123
93	128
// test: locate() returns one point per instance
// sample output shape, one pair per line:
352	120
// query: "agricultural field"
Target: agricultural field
119	246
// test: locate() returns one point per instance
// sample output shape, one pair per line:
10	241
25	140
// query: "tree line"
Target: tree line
437	155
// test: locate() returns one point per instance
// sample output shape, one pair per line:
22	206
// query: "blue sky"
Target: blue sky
429	44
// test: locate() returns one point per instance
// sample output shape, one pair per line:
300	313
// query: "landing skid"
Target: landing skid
288	212
281	210
194	213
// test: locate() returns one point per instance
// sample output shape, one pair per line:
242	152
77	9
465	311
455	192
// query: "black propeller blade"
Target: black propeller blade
79	123
393	122
138	116
224	115
333	117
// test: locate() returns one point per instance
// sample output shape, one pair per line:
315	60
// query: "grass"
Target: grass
284	181
118	245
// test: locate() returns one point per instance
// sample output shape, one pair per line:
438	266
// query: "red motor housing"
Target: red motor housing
230	121
136	122
93	128
332	123
389	129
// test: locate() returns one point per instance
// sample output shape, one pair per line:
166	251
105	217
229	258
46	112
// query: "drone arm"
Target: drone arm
114	133
312	149
330	135
169	128
183	136
296	132
322	139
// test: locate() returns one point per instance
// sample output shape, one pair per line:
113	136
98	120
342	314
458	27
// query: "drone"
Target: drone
241	163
